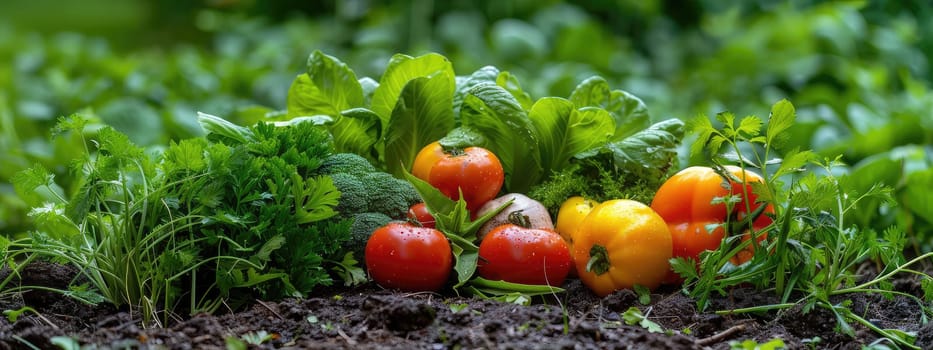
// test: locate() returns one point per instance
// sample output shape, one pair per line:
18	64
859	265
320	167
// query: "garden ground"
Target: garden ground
368	317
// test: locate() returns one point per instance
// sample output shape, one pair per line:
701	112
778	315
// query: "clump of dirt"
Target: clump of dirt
368	317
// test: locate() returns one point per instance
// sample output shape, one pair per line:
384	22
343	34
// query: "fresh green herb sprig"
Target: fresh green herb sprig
811	252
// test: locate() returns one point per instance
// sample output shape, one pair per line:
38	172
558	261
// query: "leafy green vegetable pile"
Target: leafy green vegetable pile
598	141
283	206
166	214
858	72
280	207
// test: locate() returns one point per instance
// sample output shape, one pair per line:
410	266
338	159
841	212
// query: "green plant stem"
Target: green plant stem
886	276
878	330
762	308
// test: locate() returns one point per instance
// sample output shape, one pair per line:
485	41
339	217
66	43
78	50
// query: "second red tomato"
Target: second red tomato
419	212
522	255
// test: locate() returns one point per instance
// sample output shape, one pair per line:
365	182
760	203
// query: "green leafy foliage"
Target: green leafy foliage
566	132
858	73
508	132
422	114
419	101
213	221
811	249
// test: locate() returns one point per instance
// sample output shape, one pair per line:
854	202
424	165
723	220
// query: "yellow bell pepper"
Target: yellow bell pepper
621	243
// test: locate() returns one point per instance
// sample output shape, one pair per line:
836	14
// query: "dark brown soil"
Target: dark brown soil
368	317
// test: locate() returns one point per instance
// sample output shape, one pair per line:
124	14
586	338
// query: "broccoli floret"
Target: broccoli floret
346	163
362	227
353	195
389	195
364	189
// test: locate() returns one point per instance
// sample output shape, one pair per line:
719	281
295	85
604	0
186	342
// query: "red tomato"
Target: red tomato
524	255
407	257
419	212
475	171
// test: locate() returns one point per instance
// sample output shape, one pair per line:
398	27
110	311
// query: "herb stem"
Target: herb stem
756	309
885	276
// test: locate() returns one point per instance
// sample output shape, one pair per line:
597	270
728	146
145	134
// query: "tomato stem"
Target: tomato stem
454	151
599	260
519	219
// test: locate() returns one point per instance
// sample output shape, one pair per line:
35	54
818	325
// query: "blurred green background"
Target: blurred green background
859	72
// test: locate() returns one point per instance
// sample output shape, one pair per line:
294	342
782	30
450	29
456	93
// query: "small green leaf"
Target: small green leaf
216	125
793	162
456	308
750	126
13	315
685	267
271	245
74	123
315	198
465	265
727	119
350	271
702	127
66	343
644	294
37	185
633	316
460	138
781	118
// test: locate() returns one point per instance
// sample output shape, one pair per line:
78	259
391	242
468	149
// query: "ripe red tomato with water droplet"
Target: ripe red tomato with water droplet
524	255
407	257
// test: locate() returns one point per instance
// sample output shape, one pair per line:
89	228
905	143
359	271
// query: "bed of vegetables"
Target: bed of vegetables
429	207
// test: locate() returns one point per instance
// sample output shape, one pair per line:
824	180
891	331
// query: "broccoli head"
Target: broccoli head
365	189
